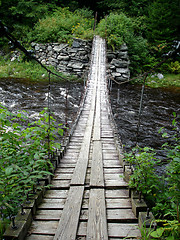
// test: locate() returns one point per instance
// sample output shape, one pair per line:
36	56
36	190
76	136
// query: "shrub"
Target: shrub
61	26
119	29
24	156
174	67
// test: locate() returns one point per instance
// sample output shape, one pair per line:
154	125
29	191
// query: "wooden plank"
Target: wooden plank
62	176
116	230
118	203
113	176
78	177
117	193
68	223
48	215
116	183
96	177
121	215
130	230
50	204
43	227
58	184
97	223
56	194
118	170
39	237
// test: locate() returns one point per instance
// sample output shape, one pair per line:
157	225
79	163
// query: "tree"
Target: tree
163	21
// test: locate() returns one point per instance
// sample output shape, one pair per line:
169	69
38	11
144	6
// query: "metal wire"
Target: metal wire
140	109
49	112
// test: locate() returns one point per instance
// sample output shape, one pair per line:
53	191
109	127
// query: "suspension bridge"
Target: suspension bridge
88	197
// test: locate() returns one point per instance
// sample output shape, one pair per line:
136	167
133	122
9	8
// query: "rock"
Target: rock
33	44
37	47
76	65
122	70
63	58
124	47
160	76
121	79
119	63
43	61
49	48
115	74
58	48
75	44
123	55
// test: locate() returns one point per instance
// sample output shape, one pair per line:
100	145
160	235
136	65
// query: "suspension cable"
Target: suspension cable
49	111
140	109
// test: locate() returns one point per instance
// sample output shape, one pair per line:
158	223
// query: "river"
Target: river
157	109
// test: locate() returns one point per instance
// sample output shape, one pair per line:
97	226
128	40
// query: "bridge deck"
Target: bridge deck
88	198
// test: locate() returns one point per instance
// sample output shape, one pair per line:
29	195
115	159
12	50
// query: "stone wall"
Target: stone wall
118	64
76	59
72	60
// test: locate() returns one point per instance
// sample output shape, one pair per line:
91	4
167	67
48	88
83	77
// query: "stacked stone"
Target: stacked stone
70	60
118	64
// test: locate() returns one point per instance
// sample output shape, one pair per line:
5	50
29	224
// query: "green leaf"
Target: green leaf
158	233
174	114
164	134
8	171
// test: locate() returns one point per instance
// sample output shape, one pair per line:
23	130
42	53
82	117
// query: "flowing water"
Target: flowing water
157	112
20	94
157	109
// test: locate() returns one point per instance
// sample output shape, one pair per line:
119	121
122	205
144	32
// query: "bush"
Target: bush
119	29
174	67
24	157
62	25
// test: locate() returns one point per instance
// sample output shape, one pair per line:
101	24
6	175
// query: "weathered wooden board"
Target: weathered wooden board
117	230
58	184
52	204
64	170
68	224
96	177
56	194
39	237
48	215
44	227
118	203
62	176
97	223
114	176
79	174
117	193
118	170
121	215
124	230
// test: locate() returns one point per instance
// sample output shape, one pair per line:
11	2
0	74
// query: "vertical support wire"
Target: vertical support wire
49	112
140	109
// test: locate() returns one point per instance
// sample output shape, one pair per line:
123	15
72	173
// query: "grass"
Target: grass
169	80
29	70
34	72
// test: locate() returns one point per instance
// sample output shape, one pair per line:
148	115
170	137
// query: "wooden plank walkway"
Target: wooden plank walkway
88	198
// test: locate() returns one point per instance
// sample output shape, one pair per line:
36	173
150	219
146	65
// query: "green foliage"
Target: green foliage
119	29
24	156
162	194
29	70
169	231
144	178
174	67
62	25
169	80
162	20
